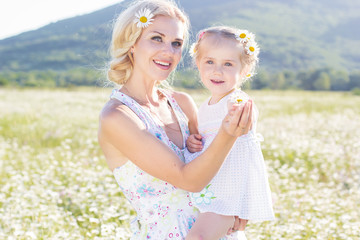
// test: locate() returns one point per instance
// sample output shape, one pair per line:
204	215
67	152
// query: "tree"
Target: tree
322	82
354	80
3	81
279	81
260	81
339	80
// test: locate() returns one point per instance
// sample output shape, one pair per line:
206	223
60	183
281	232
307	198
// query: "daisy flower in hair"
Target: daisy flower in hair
251	48
249	75
250	37
143	18
243	36
192	50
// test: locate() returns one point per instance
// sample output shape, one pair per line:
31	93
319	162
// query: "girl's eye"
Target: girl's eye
176	44
228	64
157	38
209	62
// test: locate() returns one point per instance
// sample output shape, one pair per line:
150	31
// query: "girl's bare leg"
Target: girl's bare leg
210	226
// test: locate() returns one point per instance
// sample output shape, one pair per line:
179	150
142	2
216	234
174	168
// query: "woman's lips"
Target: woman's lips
164	65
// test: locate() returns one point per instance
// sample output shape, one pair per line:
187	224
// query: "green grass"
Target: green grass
55	183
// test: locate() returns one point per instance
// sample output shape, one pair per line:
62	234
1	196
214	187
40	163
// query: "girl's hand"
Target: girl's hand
238	121
239	225
236	226
194	143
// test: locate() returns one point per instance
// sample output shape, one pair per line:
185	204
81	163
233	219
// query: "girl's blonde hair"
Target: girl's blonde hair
248	61
126	33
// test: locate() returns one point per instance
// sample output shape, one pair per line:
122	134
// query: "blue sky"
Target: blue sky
17	16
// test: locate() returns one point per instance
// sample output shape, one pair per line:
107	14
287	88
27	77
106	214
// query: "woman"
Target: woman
143	129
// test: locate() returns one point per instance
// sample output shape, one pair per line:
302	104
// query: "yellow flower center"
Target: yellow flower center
243	35
143	19
252	49
239	100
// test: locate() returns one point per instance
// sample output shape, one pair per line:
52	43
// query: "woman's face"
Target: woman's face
158	50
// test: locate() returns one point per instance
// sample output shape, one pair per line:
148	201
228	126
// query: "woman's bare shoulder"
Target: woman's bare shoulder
115	113
186	103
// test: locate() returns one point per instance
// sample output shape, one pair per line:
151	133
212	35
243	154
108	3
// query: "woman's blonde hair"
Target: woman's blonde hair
248	61
126	33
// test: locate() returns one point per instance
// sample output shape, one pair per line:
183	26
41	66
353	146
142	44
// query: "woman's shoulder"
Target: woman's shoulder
112	108
186	103
182	98
116	113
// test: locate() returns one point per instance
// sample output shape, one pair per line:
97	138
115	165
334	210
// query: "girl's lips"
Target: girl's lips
216	81
164	65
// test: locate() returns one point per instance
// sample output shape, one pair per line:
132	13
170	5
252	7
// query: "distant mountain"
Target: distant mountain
294	35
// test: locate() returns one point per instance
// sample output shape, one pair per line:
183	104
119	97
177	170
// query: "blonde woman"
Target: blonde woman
143	128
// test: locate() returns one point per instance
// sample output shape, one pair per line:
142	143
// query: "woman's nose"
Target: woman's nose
168	48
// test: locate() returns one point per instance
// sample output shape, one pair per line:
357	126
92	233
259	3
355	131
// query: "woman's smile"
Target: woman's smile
164	65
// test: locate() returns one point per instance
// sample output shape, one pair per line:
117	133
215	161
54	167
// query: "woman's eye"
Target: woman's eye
228	64
176	44
209	62
157	38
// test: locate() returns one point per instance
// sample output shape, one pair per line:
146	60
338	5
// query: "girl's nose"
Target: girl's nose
217	70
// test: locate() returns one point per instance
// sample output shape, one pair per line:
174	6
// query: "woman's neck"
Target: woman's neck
142	93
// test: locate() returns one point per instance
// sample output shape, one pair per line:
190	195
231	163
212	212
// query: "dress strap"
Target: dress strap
134	106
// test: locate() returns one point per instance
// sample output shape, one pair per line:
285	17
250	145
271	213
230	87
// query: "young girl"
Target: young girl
226	58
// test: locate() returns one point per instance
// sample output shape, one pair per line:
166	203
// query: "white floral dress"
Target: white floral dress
163	211
240	188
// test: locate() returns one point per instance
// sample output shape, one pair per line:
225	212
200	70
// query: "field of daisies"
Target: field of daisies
54	182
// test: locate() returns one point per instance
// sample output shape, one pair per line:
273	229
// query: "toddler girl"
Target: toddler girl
226	57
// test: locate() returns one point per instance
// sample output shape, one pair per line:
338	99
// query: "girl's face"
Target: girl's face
158	50
219	64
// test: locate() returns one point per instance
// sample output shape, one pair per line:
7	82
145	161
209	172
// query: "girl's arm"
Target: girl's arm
125	132
187	104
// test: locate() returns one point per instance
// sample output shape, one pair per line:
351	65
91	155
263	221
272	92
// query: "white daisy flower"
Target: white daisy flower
249	75
243	36
251	48
192	50
250	37
143	18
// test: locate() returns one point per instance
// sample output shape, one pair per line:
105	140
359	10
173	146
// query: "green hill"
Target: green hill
293	35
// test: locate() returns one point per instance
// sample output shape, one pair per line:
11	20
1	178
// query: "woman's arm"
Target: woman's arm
122	129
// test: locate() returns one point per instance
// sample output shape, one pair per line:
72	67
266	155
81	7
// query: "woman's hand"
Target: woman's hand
238	121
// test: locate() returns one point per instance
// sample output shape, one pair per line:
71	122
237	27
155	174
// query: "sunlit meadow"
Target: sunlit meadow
54	183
